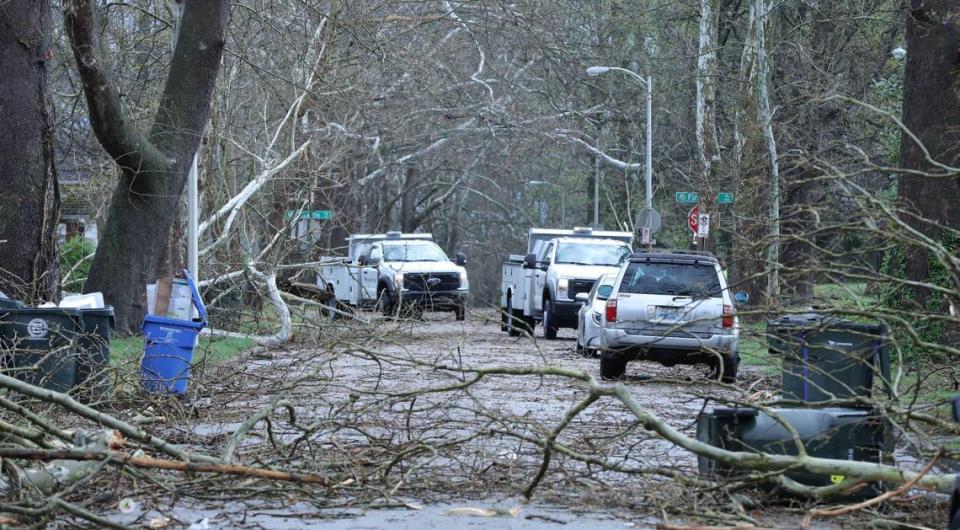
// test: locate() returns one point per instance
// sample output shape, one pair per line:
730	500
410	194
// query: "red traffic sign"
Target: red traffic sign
693	219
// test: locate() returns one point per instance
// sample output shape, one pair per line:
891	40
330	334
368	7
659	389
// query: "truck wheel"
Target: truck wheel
461	313
550	327
612	367
331	304
729	366
385	302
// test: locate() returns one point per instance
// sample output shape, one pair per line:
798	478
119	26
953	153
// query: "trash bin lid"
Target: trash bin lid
9	303
40	311
818	321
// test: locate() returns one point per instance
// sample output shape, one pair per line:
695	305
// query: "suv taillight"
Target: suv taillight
728	316
611	315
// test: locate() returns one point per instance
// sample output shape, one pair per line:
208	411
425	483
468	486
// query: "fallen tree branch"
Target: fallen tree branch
100	418
808	518
145	462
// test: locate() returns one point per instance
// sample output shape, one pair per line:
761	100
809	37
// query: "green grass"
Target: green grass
849	295
127	350
753	348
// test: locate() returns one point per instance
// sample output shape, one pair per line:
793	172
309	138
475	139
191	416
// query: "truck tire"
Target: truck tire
385	302
729	365
550	327
513	321
612	367
332	303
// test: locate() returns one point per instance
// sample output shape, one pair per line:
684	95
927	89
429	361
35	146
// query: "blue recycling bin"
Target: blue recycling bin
168	345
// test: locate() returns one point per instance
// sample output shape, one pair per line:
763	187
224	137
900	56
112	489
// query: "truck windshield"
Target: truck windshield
677	279
413	252
592	254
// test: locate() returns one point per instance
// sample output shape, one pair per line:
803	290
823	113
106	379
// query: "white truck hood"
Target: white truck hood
424	266
582	272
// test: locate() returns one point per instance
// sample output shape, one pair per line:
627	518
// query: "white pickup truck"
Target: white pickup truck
394	271
552	280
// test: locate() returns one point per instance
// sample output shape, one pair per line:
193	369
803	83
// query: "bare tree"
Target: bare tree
153	165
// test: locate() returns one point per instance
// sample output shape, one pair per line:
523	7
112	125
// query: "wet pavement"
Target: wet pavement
393	413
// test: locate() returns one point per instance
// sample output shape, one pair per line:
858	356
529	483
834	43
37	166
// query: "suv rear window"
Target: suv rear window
677	279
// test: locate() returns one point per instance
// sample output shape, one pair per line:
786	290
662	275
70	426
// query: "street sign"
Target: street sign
649	219
318	215
724	197
693	219
687	197
703	225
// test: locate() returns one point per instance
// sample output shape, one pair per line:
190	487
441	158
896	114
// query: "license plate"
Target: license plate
667	313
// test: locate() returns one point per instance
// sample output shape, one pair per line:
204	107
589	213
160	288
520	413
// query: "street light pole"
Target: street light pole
648	164
647	83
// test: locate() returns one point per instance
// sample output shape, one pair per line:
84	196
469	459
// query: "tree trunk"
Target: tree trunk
153	166
29	269
765	118
931	111
707	145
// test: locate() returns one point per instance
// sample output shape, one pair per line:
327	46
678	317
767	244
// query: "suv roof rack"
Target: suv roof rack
663	252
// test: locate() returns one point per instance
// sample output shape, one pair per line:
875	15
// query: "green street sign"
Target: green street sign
724	198
687	197
317	215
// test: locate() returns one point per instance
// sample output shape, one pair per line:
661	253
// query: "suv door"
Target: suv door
671	298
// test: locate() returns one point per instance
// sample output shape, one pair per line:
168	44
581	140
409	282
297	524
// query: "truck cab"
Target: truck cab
394	271
550	283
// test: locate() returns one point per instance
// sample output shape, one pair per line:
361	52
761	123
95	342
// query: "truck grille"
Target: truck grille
436	281
580	286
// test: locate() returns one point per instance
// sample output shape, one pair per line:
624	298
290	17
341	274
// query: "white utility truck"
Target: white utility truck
550	282
393	272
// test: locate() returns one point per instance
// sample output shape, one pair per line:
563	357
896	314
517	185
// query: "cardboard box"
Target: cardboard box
164	288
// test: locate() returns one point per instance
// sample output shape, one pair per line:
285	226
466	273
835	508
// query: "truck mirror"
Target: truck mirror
530	261
362	260
460	259
581	297
545	264
956	408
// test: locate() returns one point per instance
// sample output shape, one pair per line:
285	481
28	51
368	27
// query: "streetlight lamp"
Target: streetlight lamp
563	199
647	83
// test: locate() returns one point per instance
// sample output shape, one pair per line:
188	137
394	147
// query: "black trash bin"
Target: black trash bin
9	303
40	345
837	433
93	360
827	358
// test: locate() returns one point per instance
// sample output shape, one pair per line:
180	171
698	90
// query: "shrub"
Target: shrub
74	263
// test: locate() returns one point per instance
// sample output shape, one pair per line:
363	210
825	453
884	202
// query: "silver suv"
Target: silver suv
671	307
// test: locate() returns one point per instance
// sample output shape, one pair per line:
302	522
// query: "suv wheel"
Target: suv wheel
729	366
612	367
550	327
